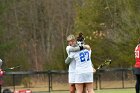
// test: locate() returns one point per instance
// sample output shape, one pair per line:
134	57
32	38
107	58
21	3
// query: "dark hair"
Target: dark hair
80	37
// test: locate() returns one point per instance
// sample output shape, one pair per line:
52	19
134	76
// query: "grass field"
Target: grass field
101	91
116	91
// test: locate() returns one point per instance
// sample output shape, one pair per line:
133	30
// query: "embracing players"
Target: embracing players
80	68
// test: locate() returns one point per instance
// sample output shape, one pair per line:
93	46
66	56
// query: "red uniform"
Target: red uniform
137	56
1	76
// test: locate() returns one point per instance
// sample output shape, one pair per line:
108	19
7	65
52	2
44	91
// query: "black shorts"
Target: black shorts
136	71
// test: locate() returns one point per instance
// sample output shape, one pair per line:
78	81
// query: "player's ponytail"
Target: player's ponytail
80	37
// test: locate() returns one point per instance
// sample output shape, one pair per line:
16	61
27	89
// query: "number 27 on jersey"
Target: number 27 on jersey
84	56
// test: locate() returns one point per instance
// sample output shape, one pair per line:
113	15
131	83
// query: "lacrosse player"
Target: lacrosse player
137	67
70	48
84	70
80	42
1	75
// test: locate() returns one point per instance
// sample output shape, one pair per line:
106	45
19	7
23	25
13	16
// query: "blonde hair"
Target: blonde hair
70	37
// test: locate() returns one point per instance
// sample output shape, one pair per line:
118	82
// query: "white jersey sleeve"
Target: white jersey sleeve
71	55
72	49
67	49
72	64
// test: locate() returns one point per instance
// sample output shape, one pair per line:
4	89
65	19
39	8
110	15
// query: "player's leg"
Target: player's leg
84	88
137	83
89	84
79	87
72	88
71	77
0	89
89	87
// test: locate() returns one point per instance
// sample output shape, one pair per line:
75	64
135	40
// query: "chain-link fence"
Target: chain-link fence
116	78
58	80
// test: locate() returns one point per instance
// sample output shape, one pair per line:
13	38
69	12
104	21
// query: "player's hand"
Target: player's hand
94	70
86	47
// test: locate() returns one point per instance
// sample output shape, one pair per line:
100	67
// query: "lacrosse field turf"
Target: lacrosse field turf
100	91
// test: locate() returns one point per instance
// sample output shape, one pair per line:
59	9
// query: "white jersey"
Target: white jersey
83	61
72	65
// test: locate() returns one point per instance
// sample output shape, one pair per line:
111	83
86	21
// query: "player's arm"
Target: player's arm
68	60
75	49
78	48
87	47
94	70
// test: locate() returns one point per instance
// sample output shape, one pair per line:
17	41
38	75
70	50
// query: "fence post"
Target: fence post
50	81
122	78
14	81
